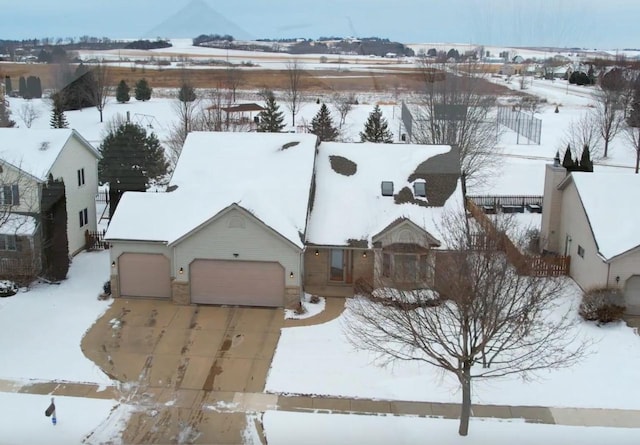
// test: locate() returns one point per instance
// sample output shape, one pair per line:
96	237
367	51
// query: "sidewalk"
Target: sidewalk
241	402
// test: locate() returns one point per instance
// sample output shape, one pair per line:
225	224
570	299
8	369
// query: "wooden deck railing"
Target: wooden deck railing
525	264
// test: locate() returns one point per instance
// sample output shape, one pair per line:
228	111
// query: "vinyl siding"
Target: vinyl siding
222	238
73	157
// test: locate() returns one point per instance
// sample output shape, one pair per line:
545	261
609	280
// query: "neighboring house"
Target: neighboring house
259	218
33	166
593	217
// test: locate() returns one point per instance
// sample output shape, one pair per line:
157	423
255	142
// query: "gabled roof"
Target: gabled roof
36	151
268	174
348	204
241	108
610	201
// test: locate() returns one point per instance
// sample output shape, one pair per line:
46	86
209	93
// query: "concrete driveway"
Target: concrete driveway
182	365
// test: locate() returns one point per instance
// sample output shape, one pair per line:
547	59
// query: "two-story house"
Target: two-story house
48	184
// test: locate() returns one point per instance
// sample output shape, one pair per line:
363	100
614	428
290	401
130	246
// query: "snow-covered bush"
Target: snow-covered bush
602	305
8	288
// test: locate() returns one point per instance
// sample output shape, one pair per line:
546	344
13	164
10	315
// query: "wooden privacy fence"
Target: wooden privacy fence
94	240
525	264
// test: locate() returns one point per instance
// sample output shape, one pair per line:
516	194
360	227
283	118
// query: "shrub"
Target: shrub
602	305
8	288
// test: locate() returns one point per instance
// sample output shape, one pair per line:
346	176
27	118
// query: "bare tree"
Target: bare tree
609	106
343	103
633	136
28	113
293	92
234	78
480	319
454	109
101	89
584	132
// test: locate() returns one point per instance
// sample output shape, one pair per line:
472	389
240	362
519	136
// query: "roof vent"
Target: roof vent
44	146
387	188
420	189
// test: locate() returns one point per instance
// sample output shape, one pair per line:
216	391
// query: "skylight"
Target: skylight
420	188
387	188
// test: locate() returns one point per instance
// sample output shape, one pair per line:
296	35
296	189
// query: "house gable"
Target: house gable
404	231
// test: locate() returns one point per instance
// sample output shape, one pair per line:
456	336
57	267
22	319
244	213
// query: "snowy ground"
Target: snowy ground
283	428
320	360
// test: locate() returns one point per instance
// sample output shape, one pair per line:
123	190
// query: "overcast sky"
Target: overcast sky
603	24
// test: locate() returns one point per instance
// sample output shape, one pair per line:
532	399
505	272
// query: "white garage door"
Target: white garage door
632	295
144	275
248	283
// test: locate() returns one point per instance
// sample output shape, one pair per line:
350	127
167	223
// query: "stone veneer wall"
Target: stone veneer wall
291	296
180	292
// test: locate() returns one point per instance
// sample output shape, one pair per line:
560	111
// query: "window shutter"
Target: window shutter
15	194
79	180
80	214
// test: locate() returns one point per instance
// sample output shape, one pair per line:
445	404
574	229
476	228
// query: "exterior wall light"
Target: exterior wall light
364	254
317	252
113	264
181	271
291	275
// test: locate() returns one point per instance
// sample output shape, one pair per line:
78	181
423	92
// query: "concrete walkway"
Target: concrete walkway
226	402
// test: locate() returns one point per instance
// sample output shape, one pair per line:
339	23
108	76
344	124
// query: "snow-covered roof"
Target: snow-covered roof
351	207
15	224
268	174
35	151
610	202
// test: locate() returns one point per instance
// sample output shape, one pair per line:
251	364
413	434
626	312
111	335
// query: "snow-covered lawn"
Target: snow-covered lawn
43	327
320	360
284	428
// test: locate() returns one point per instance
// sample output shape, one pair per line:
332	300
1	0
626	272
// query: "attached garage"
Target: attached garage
632	294
251	283
144	275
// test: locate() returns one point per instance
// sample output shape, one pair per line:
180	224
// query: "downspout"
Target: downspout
608	274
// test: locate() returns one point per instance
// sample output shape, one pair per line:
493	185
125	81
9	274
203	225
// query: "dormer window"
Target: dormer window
420	189
387	188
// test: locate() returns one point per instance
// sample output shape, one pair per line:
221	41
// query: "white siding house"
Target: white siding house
593	218
30	158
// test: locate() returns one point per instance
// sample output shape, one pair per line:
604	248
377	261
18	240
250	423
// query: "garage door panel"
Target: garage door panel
144	275
252	283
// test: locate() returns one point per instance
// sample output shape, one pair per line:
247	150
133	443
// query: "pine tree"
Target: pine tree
22	86
586	165
567	161
187	93
5	115
271	119
376	128
142	90
8	85
122	92
322	125
633	119
58	119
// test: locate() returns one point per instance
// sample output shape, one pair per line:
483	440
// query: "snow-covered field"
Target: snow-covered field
43	327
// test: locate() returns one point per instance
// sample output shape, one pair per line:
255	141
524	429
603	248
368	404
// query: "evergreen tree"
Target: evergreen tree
271	119
567	161
22	86
322	125
376	128
122	92
586	165
142	90
58	119
34	87
633	119
7	84
187	93
5	115
131	158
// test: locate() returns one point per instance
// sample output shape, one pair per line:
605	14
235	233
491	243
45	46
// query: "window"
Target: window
420	189
8	242
9	195
81	177
407	267
387	188
84	217
580	251
386	265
